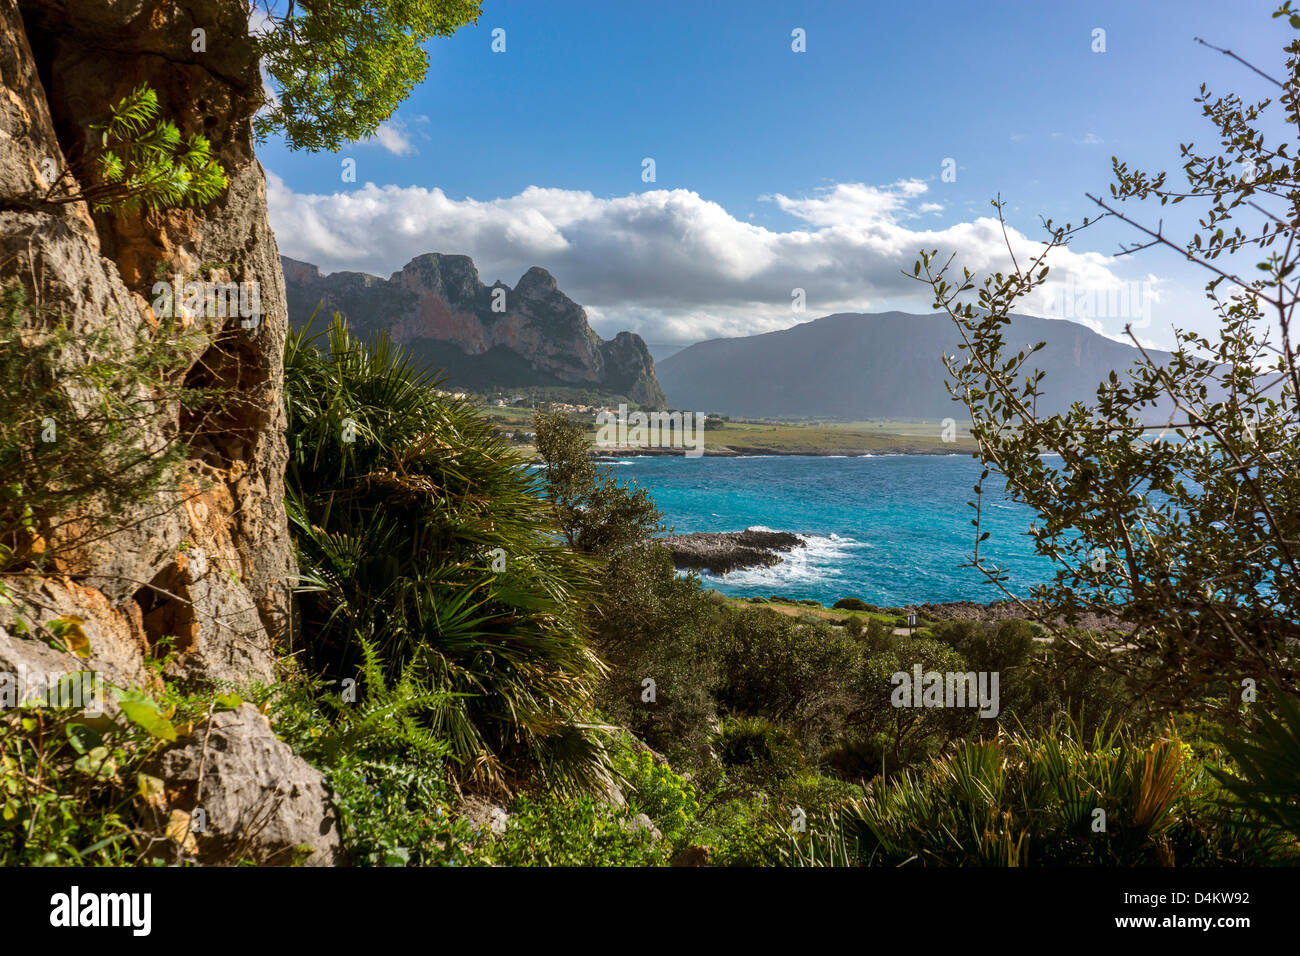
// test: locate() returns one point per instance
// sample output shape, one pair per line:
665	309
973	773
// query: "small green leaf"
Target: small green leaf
147	717
99	763
231	701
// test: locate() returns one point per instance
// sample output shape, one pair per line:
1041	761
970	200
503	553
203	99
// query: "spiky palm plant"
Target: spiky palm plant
405	503
1267	785
1034	799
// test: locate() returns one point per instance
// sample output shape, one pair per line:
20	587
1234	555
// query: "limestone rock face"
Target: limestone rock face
259	800
481	335
209	562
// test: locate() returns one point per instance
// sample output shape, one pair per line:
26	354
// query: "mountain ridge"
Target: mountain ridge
482	336
854	365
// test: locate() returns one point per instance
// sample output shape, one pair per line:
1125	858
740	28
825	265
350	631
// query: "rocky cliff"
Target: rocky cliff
482	336
206	563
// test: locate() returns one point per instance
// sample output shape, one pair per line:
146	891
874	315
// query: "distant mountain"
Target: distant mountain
888	365
437	307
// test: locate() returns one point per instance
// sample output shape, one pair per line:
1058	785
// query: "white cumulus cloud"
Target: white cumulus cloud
670	264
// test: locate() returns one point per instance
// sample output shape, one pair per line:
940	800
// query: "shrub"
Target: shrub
852	604
654	789
795	673
386	769
582	831
1267	786
656	625
761	748
72	787
1024	800
403	503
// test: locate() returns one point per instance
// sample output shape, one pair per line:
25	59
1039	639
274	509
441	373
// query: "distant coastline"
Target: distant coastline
734	452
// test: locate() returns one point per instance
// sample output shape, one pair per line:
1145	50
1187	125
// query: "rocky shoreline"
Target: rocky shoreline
1010	610
725	551
720	552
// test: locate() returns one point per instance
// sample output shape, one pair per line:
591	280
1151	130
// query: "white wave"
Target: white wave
807	565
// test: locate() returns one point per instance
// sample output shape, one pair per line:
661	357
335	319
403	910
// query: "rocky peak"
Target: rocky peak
438	307
453	278
537	283
299	271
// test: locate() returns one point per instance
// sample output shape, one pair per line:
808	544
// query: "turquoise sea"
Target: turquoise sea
891	530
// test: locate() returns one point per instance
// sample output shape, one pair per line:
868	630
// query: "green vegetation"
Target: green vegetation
421	535
142	161
517	642
74	790
736	734
1057	798
341	68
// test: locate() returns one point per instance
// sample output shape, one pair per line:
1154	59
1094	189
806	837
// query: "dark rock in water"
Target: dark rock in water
720	552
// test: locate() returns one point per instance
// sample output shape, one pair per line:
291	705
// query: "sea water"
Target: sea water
891	530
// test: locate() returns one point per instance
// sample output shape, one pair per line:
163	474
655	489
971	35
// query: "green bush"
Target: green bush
654	789
1266	785
760	747
800	674
583	831
73	791
387	771
656	625
852	604
421	534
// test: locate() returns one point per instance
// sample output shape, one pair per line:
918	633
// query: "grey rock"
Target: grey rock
96	269
643	824
261	801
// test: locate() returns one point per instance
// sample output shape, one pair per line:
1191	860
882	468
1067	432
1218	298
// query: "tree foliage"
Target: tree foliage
596	513
141	160
1174	504
343	66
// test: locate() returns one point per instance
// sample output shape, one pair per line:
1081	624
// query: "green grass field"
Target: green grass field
797	438
837	438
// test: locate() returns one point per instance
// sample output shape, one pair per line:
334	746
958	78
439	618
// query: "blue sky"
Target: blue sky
774	169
